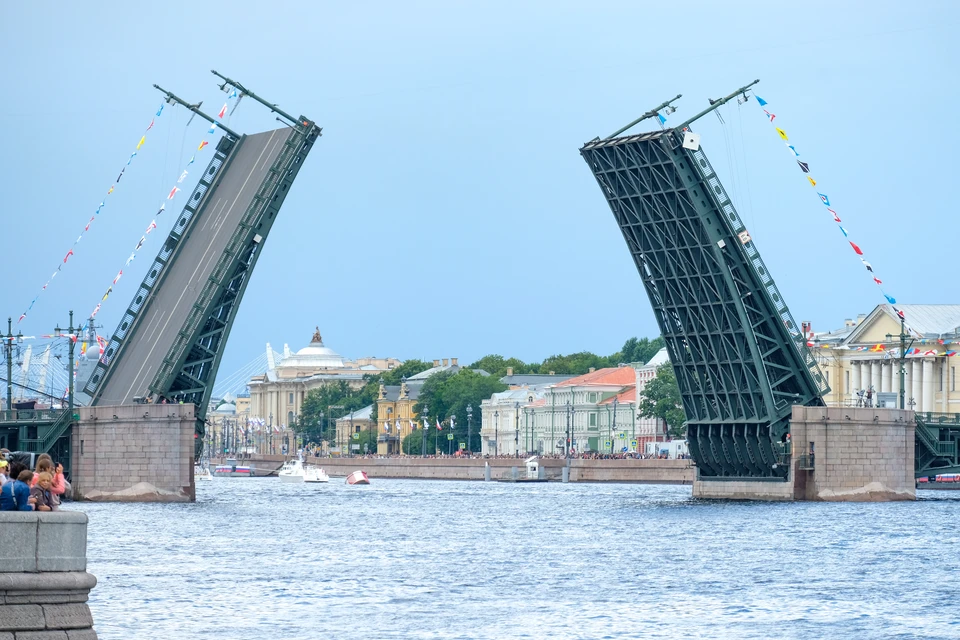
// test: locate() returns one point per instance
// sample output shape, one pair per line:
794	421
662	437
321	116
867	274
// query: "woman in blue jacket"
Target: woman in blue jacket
15	496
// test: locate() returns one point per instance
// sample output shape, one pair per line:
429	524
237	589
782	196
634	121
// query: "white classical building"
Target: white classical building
865	355
277	395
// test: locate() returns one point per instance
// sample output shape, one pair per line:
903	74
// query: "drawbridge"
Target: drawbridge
739	356
168	344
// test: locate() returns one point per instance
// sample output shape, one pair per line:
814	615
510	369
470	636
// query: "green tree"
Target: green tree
445	395
661	399
641	350
496	365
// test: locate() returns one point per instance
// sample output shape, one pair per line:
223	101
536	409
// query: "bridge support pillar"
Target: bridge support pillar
134	453
838	454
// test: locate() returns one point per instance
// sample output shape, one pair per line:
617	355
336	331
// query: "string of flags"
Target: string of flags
103	203
825	200
153	223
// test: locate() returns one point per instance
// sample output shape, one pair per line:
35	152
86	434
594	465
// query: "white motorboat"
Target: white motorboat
202	472
315	474
291	471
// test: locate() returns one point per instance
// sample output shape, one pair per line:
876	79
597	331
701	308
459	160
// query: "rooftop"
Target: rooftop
360	414
611	376
533	379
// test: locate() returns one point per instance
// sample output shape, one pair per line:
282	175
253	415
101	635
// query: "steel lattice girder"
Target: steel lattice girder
739	357
190	367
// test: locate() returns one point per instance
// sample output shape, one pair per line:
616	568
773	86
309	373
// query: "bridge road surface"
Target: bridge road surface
169	305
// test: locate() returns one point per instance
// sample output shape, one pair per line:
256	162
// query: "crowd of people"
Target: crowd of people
24	489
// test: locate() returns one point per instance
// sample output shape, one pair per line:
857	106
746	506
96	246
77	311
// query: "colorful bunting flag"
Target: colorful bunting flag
202	145
140	144
223	110
805	168
173	192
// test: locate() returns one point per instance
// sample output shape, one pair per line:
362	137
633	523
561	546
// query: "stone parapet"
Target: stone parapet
43	580
581	470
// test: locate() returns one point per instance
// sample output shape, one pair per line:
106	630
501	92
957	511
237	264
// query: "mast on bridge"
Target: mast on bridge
740	359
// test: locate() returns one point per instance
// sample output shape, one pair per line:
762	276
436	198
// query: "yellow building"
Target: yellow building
865	356
395	415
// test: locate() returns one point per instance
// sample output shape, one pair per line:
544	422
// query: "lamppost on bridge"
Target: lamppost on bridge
904	347
8	347
516	432
469	428
58	332
270	428
496	433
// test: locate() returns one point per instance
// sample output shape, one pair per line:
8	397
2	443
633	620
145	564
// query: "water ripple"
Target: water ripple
445	560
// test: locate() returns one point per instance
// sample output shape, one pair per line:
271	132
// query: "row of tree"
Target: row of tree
445	395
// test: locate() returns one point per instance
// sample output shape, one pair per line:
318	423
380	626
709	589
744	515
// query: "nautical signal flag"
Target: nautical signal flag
876	347
782	133
857	249
823	198
202	145
173	192
804	166
223	110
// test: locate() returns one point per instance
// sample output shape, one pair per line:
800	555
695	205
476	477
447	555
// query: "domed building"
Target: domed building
277	395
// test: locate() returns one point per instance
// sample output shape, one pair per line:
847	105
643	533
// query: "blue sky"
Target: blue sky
446	210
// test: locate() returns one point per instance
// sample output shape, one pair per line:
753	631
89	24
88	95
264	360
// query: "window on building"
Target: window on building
940	377
828	376
953	378
593	419
290	398
846	383
593	396
289	418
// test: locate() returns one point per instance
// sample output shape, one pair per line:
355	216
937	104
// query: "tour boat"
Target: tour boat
358	477
291	471
315	474
232	470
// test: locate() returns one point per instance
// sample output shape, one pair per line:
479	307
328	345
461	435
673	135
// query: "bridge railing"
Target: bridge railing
20	416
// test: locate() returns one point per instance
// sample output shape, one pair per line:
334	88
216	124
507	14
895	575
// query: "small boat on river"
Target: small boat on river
233	470
315	474
202	472
358	477
292	471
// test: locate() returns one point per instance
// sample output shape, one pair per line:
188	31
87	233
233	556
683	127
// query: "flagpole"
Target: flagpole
196	109
273	108
648	114
716	104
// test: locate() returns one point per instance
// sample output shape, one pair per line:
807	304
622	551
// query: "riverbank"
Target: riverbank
581	470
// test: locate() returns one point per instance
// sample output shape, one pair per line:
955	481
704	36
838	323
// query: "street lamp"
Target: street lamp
496	432
423	436
270	427
516	433
569	438
450	437
903	355
469	426
614	428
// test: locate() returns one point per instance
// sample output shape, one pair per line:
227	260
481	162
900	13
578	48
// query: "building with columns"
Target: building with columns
277	395
865	355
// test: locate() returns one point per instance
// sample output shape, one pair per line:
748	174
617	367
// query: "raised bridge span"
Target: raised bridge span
168	345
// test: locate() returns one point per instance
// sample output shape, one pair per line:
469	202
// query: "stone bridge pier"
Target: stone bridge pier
134	453
838	454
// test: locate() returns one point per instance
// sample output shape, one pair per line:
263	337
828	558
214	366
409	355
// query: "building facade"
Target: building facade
864	356
277	395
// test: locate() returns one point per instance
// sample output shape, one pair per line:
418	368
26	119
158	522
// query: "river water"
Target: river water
258	559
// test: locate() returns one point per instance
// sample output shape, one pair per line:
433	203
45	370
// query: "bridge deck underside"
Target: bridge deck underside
169	304
732	342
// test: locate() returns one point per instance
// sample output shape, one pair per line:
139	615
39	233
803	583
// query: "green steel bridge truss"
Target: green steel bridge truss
740	359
